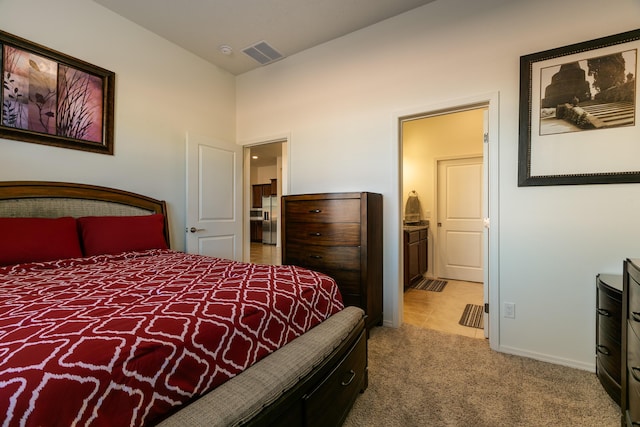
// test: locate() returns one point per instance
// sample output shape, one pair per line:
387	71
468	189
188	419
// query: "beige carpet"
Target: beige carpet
420	377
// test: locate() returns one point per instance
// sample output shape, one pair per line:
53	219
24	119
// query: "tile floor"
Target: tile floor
442	310
431	310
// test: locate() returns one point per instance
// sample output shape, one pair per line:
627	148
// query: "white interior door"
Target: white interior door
460	219
485	220
214	197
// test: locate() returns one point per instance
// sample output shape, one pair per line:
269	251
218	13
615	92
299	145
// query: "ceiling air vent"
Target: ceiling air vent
263	53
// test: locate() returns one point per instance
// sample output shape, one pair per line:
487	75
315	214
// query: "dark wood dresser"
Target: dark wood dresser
339	234
630	399
609	332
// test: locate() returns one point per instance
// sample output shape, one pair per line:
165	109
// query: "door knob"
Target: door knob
193	229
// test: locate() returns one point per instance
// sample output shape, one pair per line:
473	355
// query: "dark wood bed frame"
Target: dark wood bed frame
322	397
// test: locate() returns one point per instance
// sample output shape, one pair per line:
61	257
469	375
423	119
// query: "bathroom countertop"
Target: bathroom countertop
413	227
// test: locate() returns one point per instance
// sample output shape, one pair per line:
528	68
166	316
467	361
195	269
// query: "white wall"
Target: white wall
265	174
161	92
338	102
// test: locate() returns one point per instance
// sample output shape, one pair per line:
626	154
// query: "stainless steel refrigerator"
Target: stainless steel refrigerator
269	220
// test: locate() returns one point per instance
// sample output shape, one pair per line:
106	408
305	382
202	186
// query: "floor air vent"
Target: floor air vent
263	53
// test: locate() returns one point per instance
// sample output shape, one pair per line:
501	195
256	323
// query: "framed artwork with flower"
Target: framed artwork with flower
54	99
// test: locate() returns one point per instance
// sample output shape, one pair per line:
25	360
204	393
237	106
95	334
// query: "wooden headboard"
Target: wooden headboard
56	199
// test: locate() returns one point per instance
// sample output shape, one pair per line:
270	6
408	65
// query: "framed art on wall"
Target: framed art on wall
579	113
54	99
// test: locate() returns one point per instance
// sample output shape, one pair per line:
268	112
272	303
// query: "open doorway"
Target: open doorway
265	174
442	164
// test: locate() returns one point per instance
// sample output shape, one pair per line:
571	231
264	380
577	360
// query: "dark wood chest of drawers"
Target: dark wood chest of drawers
630	399
609	332
339	234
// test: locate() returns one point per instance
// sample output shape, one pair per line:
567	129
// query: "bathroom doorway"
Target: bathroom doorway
430	141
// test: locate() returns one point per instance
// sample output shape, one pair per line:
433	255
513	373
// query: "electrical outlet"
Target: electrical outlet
510	310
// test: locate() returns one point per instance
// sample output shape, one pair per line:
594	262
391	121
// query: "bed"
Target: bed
101	323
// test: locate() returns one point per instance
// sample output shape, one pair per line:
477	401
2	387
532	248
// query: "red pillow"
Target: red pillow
115	234
38	239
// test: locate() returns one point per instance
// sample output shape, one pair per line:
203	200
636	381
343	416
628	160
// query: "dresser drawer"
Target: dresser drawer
328	404
609	313
609	329
332	261
329	257
610	384
328	210
609	318
633	374
325	234
608	354
412	236
634	302
634	403
633	396
348	280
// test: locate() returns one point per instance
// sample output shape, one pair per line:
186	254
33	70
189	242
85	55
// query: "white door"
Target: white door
460	219
214	197
485	213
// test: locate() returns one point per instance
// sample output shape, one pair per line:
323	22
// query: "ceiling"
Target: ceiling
267	154
289	26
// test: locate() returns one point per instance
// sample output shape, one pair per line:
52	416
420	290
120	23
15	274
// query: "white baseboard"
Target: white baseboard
591	367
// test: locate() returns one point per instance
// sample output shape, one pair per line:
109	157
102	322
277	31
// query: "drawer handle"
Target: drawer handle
636	316
635	373
315	256
603	312
352	375
315	234
602	349
315	211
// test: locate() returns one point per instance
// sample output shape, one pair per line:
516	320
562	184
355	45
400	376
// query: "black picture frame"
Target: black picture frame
594	151
54	99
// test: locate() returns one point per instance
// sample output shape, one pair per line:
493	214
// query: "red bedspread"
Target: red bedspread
121	340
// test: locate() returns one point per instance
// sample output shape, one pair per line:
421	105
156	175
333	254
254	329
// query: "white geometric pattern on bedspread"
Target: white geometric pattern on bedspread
123	339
